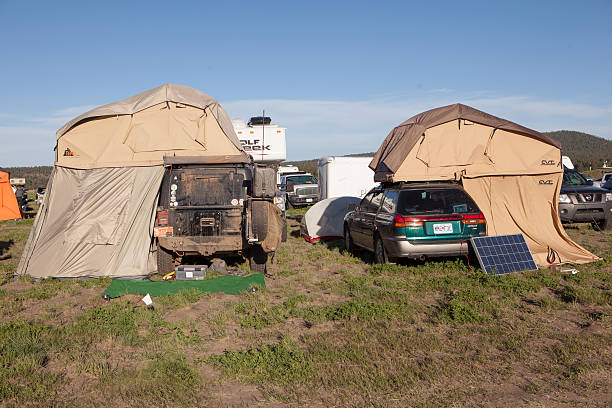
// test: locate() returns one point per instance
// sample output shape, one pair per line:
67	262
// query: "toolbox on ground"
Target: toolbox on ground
190	272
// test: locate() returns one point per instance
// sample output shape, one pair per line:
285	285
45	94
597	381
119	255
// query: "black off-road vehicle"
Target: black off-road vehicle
213	207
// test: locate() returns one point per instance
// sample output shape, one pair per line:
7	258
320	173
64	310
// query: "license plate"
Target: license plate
309	200
443	228
163	232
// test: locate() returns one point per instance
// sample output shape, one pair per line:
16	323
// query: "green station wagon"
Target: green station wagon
414	221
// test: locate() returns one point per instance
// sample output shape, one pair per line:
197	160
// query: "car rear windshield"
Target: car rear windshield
435	201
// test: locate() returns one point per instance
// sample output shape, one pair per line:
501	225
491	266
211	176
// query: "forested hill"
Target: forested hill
585	150
36	176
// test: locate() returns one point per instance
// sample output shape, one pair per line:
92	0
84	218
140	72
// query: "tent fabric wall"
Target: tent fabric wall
95	222
9	209
513	173
507	203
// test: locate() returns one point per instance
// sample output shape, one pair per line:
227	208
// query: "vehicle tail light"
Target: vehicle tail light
473	219
162	218
399	221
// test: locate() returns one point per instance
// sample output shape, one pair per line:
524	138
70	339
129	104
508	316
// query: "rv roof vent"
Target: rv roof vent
259	120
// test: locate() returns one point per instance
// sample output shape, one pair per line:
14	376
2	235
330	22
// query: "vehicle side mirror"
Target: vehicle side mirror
589	182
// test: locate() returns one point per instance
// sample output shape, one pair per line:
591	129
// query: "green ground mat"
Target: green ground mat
231	285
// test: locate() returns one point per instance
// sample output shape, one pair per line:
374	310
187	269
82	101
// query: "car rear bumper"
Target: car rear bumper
585	212
401	247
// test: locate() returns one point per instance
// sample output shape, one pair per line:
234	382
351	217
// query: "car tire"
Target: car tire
348	241
165	261
258	260
380	255
604	224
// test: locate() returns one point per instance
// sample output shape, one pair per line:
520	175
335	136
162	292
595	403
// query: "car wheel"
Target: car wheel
258	260
602	225
380	255
165	261
348	241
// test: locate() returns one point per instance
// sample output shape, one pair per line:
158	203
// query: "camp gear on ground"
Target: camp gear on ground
190	272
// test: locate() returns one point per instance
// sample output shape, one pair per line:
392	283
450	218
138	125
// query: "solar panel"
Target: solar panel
503	254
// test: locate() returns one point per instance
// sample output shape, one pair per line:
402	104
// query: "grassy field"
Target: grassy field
331	329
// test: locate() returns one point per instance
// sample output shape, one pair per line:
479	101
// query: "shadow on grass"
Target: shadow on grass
368	257
4	247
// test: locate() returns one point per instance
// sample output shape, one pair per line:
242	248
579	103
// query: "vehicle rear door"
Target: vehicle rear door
357	225
386	212
369	219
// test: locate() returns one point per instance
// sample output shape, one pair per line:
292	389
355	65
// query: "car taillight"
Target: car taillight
473	219
162	218
399	221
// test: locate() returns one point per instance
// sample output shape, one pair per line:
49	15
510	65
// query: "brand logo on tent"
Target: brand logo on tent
69	152
548	162
545	182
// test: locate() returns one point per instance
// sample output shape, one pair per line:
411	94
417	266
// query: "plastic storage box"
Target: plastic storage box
190	272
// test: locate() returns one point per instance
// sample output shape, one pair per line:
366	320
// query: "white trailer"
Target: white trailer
262	139
345	176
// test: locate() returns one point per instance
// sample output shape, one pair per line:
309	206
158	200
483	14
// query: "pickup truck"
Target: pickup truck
300	189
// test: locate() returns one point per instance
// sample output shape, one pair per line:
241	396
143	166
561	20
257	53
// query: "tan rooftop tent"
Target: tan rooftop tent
98	214
513	173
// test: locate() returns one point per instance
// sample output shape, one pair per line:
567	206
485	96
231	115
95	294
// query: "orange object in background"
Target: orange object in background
9	209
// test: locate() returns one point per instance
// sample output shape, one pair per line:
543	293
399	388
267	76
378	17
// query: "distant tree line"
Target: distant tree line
36	176
585	151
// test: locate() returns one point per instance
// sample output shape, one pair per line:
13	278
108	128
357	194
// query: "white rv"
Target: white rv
345	176
262	139
266	143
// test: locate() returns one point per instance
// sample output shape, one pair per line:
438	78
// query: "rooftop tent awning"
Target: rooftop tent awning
404	138
141	130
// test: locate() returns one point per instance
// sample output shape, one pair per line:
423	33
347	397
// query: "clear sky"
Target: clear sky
338	74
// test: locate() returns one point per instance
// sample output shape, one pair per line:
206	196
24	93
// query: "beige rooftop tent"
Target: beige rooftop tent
513	173
98	214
